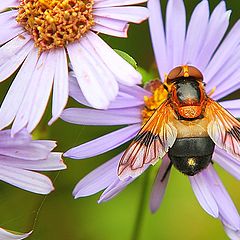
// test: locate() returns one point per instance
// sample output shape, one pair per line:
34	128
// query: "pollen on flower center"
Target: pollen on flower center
159	95
55	23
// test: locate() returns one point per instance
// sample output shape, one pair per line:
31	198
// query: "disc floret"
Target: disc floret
159	95
55	23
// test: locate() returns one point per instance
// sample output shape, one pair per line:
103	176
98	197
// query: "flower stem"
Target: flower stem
136	234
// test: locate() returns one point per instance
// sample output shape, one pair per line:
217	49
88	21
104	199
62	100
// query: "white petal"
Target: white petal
9	26
86	74
109	31
12	54
18	90
124	72
8	3
5	17
75	90
105	78
129	14
113	3
60	87
28	104
115	24
43	91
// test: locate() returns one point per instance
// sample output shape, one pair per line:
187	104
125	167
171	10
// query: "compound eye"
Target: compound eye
184	72
195	73
174	73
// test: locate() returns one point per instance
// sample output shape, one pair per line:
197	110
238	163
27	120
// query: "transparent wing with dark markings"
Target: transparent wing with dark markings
223	128
151	143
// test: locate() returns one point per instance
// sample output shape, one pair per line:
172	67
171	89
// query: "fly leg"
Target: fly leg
166	172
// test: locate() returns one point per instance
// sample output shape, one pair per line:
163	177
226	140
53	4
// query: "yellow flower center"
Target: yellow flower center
55	23
159	95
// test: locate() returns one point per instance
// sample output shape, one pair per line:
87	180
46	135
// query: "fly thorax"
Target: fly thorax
188	97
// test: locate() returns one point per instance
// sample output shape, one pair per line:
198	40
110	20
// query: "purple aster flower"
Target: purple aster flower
39	37
203	45
21	157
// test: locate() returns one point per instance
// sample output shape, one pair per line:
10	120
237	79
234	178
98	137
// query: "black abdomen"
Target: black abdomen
191	155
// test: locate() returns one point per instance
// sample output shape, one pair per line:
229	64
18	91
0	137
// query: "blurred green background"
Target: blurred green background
59	216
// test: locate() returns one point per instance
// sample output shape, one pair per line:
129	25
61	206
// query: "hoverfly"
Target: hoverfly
186	126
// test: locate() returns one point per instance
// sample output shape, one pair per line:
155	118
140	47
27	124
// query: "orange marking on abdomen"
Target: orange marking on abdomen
190	111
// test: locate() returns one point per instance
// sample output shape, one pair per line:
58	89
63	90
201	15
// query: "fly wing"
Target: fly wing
223	128
151	143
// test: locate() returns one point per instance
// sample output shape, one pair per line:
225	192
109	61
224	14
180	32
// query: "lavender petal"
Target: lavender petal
226	207
227	162
195	39
27	180
104	143
233	235
158	36
7	140
225	51
116	187
98	179
52	162
127	96
9	235
175	32
102	117
233	106
218	24
204	194
159	186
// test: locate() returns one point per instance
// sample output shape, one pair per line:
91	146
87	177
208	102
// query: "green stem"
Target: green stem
136	234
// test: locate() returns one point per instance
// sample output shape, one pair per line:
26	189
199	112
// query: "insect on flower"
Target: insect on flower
186	126
202	43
